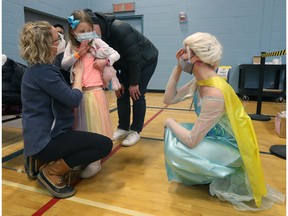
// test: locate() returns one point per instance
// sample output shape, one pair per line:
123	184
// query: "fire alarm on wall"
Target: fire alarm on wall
182	17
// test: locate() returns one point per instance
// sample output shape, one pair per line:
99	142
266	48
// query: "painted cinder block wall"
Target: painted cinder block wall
244	27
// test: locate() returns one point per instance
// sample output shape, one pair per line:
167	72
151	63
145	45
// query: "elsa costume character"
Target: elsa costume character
220	148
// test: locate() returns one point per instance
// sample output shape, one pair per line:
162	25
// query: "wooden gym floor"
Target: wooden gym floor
133	179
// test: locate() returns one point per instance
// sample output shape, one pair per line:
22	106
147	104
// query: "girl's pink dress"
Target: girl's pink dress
93	113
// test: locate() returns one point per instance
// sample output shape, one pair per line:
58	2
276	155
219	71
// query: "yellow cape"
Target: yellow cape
244	134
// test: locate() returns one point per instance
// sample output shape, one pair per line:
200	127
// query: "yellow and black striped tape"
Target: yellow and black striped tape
277	53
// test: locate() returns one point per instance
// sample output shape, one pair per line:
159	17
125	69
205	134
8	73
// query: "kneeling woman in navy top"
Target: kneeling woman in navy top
48	103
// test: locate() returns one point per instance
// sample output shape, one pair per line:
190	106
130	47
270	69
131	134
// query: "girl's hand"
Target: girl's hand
84	47
99	64
120	92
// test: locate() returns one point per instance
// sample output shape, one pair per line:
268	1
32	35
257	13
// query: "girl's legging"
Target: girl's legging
76	148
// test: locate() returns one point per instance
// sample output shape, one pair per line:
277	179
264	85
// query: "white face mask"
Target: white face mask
61	45
86	36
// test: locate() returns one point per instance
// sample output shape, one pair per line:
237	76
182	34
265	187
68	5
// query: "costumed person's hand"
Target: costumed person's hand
134	92
83	49
178	56
168	121
178	69
99	64
179	53
120	91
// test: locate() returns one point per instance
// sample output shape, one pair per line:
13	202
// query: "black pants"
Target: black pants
76	148
139	106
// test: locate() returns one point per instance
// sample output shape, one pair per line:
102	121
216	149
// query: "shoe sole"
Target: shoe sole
121	137
45	185
128	145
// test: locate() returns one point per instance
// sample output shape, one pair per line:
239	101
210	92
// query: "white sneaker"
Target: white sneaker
120	134
91	170
77	168
131	139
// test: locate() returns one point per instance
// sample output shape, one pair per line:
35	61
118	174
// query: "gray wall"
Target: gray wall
244	27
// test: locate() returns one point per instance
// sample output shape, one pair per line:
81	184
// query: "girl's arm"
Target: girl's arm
69	57
110	54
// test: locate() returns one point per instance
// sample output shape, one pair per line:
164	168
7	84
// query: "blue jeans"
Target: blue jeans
139	106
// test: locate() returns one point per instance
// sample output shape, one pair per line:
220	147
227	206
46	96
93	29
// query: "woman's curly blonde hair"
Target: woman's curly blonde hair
36	41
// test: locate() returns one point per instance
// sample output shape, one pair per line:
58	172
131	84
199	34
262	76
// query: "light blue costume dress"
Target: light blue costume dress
206	166
216	160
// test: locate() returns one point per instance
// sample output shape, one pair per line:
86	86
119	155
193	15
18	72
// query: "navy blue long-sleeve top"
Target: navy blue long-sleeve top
47	106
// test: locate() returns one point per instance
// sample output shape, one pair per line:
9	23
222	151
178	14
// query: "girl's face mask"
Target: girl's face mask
186	64
86	36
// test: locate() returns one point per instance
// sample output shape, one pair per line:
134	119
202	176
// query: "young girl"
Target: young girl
93	113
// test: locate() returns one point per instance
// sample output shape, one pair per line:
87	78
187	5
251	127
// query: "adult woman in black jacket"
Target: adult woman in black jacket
137	63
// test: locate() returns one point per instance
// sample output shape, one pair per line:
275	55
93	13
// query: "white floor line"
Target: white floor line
108	207
25	187
12	145
17	123
79	200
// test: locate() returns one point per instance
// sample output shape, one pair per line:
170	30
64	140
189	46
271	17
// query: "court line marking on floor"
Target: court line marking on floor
77	200
108	207
53	201
12	145
13	155
50	204
25	187
170	108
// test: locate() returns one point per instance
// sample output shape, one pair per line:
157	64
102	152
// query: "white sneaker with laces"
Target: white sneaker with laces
131	139
91	170
120	134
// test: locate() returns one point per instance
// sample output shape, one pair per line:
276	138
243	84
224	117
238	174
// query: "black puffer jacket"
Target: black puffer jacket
12	73
135	50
